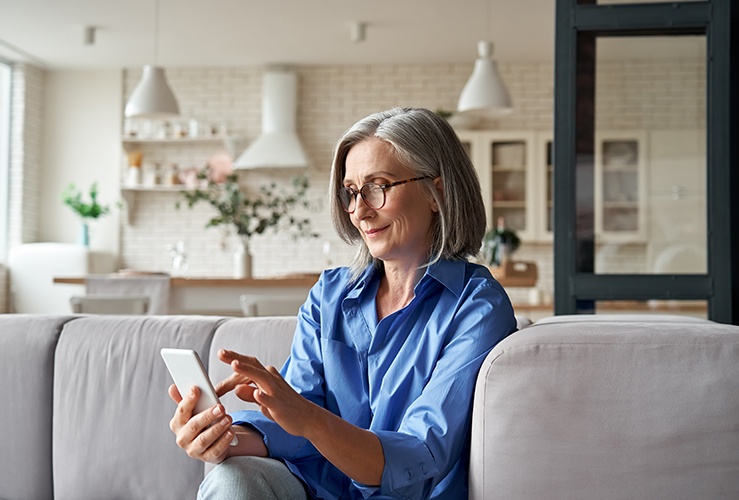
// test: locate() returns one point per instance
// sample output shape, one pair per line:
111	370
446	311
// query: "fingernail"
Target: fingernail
217	411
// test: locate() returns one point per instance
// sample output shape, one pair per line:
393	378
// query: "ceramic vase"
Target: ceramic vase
84	235
242	260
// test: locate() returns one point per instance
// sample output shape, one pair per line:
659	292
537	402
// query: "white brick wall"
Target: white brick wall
330	98
634	94
25	152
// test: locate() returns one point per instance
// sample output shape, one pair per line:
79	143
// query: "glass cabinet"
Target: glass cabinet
504	163
620	185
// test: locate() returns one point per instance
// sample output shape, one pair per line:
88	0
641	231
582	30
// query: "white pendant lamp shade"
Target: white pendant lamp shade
152	97
485	93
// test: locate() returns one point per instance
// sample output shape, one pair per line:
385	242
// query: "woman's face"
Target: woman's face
399	232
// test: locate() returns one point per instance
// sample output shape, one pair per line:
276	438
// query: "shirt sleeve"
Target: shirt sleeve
303	371
435	428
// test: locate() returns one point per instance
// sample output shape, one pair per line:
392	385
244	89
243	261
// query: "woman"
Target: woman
376	397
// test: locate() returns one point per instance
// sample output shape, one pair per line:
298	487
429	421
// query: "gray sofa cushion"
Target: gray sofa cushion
111	409
621	409
26	381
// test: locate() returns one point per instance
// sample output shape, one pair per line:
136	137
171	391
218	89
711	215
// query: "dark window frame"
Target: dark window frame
576	286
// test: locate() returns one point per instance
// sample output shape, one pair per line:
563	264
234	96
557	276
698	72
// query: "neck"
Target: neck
396	288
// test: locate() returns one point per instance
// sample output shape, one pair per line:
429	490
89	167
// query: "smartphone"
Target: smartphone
187	370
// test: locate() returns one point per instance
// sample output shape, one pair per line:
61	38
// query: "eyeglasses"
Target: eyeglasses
372	194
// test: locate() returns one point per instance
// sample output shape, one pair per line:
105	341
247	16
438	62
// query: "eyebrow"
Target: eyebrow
373	175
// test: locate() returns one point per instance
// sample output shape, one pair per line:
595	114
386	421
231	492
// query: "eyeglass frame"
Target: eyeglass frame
354	193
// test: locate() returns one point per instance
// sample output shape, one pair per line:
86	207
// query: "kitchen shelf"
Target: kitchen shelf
169	151
130	195
130	143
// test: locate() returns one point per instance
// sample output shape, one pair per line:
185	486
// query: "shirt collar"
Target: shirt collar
450	273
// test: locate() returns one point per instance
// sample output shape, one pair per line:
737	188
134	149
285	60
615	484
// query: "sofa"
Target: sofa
569	407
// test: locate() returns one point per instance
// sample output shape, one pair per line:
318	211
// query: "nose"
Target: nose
361	209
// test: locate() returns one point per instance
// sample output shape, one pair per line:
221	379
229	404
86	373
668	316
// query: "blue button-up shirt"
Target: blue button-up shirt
409	377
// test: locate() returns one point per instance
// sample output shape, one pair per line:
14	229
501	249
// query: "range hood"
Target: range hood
279	145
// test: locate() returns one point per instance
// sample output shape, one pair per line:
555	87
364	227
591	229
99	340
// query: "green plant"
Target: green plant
499	243
249	216
72	197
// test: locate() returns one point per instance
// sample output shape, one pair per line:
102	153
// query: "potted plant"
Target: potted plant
248	216
87	210
499	244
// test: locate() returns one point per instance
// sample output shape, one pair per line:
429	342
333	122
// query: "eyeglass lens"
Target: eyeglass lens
372	194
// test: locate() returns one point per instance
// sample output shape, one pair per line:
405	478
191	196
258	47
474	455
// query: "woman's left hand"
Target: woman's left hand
277	400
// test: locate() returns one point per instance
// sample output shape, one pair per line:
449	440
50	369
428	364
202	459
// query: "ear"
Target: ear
440	189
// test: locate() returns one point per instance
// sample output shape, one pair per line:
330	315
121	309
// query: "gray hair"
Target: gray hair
427	145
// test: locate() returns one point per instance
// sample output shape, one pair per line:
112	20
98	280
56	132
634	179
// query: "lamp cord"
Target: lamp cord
489	20
156	34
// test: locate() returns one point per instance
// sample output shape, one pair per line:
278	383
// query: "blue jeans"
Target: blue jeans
251	478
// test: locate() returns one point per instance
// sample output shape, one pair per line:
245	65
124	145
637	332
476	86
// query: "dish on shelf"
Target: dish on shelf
619	153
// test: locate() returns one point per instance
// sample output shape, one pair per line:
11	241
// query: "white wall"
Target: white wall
81	145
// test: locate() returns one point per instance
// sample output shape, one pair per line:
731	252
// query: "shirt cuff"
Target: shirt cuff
407	461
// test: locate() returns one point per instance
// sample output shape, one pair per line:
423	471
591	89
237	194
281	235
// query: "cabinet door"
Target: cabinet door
504	166
620	186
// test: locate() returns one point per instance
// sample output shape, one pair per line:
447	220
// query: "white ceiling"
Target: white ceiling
250	32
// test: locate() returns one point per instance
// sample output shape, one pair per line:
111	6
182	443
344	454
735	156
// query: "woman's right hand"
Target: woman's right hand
195	434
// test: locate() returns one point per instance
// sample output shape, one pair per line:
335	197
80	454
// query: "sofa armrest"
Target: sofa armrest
609	409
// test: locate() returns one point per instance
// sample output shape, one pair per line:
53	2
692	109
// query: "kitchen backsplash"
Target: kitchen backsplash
330	99
642	94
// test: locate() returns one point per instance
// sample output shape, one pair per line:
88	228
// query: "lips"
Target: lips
371	233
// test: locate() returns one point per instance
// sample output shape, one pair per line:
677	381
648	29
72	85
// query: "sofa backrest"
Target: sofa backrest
111	436
27	345
267	338
609	408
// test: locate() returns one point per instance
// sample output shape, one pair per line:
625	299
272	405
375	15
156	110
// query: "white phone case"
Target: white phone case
187	370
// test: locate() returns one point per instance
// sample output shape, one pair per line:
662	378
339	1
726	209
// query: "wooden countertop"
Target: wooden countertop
303	280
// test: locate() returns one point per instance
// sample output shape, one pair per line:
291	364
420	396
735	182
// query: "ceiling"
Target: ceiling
51	33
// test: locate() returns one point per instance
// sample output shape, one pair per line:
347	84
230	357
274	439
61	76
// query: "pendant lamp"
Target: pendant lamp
485	93
152	97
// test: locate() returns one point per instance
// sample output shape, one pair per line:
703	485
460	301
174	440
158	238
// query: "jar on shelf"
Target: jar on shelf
150	174
169	175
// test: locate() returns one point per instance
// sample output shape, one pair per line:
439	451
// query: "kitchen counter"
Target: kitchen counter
221	295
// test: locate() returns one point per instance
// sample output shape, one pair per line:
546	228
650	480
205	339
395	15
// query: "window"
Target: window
5	110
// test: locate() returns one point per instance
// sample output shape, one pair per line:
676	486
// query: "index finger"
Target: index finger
251	368
229	383
230	356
